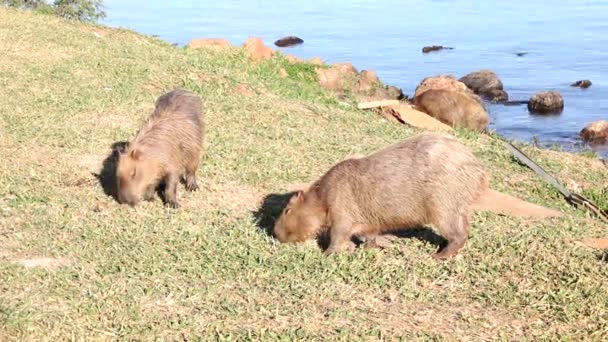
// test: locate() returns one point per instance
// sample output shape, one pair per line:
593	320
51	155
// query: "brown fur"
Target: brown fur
166	148
453	108
428	179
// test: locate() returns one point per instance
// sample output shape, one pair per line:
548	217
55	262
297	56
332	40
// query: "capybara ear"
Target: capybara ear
135	154
297	197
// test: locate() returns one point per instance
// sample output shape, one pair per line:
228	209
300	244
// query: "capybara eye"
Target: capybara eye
286	211
133	173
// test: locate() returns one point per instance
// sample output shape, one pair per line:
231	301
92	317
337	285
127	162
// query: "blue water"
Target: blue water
564	41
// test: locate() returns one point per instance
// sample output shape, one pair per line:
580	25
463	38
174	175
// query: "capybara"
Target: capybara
453	108
166	148
428	179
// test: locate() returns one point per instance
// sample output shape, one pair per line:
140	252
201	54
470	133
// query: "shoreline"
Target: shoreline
557	142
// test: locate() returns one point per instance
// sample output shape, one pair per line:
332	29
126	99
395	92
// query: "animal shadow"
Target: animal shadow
107	175
423	234
270	210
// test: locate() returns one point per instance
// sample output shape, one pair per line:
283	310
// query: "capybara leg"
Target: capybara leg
149	193
171	182
456	233
191	184
340	239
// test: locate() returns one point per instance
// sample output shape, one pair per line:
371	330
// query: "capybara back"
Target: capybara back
166	148
429	179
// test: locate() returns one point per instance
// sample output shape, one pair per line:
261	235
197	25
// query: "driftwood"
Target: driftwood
376	104
406	114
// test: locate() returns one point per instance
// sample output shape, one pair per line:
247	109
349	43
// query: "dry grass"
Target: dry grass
208	271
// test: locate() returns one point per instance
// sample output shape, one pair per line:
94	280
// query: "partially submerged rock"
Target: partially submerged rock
256	50
582	84
486	84
432	48
596	132
546	102
209	43
454	108
288	41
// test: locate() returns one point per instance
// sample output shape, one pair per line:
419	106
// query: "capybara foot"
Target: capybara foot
149	195
337	248
172	204
449	251
191	184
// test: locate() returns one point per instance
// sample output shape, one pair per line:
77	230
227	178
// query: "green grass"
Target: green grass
68	91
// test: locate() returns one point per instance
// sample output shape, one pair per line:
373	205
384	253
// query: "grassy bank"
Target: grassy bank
68	91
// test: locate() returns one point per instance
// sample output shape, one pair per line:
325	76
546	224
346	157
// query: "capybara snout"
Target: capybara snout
166	149
135	177
294	225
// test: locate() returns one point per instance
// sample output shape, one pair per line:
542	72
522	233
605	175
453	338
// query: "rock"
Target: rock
394	92
256	50
498	96
316	61
340	76
288	41
446	82
293	59
432	48
453	108
582	84
596	132
283	73
368	81
546	102
487	84
346	68
209	43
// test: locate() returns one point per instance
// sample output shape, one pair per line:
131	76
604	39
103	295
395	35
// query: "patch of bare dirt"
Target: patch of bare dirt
44	262
244	90
224	195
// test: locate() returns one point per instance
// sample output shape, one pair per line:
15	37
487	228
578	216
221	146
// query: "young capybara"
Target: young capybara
453	108
166	148
428	179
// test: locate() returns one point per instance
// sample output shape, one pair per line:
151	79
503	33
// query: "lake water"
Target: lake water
563	41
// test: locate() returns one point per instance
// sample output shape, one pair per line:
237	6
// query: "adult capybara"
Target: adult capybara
166	148
428	179
453	108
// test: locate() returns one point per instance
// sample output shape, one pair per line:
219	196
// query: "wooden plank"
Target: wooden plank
419	119
376	104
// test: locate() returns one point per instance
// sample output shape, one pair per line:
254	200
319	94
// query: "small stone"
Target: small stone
582	84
